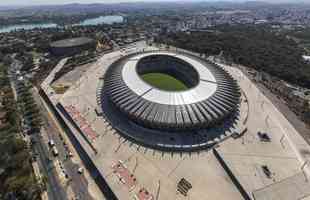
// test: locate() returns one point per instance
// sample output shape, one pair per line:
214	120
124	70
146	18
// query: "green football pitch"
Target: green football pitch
164	82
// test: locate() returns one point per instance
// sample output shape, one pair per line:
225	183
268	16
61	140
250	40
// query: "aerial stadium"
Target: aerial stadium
158	122
196	96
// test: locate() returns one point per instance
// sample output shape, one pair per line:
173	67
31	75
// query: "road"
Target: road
54	188
78	182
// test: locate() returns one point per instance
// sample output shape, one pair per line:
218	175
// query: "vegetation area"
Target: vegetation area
17	180
29	109
302	37
164	82
257	47
302	34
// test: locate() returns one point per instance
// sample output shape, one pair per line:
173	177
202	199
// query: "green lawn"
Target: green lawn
164	82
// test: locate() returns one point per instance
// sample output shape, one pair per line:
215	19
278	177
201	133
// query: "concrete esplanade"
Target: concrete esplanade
242	166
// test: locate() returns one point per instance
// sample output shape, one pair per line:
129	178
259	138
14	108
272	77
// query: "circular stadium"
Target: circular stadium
72	46
169	101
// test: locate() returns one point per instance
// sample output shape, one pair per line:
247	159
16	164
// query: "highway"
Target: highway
78	182
54	188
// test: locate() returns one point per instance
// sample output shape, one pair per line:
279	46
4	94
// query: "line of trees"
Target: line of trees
17	180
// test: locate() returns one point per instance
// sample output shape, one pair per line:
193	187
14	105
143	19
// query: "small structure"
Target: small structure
184	186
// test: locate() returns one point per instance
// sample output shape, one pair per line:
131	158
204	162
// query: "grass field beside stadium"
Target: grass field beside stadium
164	82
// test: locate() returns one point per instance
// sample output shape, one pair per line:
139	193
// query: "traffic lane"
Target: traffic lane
51	191
51	130
52	175
53	183
79	183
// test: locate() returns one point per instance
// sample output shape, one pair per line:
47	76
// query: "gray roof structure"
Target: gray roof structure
72	42
71	46
213	94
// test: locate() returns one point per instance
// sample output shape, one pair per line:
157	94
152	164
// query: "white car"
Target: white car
55	151
51	143
80	170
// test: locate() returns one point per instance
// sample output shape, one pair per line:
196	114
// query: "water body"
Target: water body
110	19
26	27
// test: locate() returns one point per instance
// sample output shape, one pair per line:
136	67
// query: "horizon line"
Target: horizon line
156	1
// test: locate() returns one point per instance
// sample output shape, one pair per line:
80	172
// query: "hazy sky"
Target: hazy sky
41	2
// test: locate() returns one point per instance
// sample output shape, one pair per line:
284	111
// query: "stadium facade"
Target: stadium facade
168	119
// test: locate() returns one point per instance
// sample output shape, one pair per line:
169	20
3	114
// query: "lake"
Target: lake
110	19
6	29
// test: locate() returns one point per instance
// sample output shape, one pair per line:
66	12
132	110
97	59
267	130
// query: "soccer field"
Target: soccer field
164	82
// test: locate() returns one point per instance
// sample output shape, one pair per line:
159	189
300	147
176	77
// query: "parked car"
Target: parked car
80	170
55	151
51	143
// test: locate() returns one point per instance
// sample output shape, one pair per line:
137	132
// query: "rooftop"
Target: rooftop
72	42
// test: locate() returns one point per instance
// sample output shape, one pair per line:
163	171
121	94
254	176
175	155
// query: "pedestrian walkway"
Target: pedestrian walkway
81	122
